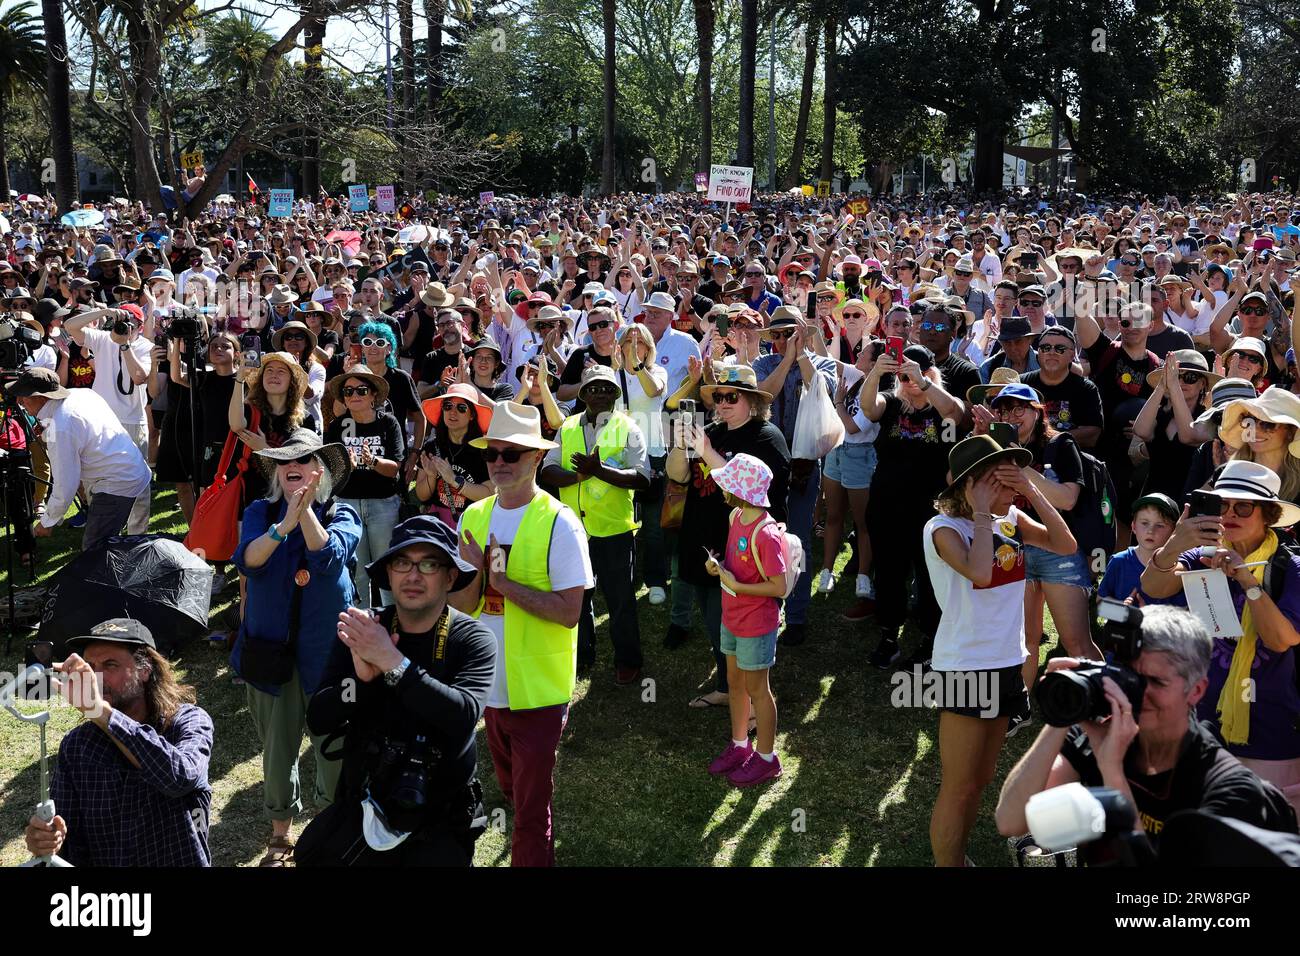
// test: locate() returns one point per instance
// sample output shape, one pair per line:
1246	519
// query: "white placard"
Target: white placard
1210	600
730	183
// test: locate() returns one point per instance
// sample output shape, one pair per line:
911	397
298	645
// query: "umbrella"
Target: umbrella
149	578
350	239
80	218
224	197
411	234
31	197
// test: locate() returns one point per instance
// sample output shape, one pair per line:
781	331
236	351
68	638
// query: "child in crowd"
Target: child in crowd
1154	517
752	573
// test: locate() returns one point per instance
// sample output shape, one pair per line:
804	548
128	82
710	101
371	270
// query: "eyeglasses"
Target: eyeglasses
426	565
1012	407
460	408
508	455
1248	357
372	343
934	326
855	315
602	324
1249	421
447	324
1190	378
728	398
1242	509
781	333
1253	310
1056	349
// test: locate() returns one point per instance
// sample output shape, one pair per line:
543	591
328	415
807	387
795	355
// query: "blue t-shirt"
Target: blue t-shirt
767	303
1123	576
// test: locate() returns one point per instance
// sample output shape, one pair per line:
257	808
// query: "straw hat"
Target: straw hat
284	358
282	295
377	383
277	340
739	377
436	296
1003	375
516	424
1189	360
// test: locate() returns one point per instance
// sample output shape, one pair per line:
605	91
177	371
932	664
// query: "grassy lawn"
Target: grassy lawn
631	784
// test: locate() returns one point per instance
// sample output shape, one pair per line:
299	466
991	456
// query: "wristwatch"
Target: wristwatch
393	676
1254	592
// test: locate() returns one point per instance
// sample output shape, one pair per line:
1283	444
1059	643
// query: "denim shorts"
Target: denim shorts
751	653
1048	568
852	465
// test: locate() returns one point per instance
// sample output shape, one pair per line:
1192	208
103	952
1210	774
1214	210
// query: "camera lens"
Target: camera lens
1065	698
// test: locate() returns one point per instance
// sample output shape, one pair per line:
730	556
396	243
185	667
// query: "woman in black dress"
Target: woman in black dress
1167	423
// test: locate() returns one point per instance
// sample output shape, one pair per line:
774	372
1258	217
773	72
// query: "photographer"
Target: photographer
1153	751
131	784
416	675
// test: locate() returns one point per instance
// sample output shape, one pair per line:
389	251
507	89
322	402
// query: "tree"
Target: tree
828	98
22	69
435	12
607	185
704	22
312	55
748	63
808	40
57	88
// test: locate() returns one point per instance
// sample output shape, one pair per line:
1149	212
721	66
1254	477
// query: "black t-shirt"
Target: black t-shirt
467	463
435	363
214	400
1206	778
1074	402
384	438
572	373
1118	376
706	516
402	396
1171	460
1168	339
959	375
912	453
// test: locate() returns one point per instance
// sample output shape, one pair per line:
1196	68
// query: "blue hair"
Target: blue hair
385	331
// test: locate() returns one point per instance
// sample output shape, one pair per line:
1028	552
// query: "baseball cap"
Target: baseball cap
117	630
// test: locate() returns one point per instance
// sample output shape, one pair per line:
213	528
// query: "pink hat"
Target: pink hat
873	265
746	477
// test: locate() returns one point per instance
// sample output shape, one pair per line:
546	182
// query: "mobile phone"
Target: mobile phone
1029	260
894	348
252	359
1204	504
1004	433
722	325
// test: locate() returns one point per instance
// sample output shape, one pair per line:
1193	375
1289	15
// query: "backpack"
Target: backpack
793	551
1092	519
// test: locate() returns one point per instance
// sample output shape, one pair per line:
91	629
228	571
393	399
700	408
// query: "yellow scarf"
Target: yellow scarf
1234	699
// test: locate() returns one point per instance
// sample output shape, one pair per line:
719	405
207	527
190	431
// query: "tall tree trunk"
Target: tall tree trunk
435	11
57	85
704	21
748	56
828	101
794	172
406	53
607	185
146	62
4	140
314	46
990	137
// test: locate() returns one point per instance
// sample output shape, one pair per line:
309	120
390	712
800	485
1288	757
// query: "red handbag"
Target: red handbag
214	532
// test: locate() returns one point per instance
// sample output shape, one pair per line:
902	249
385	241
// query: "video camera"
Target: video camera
17	342
1067	697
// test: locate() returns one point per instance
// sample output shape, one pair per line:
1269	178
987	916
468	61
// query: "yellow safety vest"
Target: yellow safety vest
605	510
541	656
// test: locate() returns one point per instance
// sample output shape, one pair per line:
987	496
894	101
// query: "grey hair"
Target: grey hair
1178	633
324	490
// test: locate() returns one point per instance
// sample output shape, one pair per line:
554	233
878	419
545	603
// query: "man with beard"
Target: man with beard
444	366
131	783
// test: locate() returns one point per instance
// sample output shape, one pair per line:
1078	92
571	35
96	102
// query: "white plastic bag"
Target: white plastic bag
817	429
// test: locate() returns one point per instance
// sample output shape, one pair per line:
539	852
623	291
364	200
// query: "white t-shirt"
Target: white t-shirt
113	379
1197	320
673	353
982	628
645	409
569	566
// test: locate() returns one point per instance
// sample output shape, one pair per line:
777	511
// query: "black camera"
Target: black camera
18	342
184	327
401	781
121	327
1071	696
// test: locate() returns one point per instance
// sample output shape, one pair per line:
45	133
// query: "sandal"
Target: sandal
279	852
703	702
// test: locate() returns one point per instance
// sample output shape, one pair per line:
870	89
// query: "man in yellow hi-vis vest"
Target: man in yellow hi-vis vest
600	463
531	552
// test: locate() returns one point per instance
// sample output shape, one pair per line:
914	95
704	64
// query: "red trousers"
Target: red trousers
523	745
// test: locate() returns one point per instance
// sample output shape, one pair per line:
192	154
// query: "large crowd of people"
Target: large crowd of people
446	431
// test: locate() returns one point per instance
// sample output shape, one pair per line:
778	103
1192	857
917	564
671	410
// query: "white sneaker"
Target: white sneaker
865	589
826	581
658	595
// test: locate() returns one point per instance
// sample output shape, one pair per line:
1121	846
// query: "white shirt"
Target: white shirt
185	276
981	628
673	354
88	445
646	409
44	357
113	378
568	565
316	382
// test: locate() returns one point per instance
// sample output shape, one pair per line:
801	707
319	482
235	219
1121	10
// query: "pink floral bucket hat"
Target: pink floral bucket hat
747	478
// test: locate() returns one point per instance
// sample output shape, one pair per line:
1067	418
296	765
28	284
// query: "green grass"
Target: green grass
631	785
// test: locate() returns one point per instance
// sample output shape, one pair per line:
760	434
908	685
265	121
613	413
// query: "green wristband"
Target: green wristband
274	532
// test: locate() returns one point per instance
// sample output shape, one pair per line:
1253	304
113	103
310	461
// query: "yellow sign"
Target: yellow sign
192	160
824	188
807	190
860	207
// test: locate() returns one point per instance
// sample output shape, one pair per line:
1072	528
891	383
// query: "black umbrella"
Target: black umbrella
151	579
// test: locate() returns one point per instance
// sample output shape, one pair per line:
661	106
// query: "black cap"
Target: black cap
118	630
922	356
422	529
1014	327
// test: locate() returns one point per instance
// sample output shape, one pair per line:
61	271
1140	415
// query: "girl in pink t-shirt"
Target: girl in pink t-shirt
752	573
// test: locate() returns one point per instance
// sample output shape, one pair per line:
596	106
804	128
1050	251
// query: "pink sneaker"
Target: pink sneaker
755	770
731	759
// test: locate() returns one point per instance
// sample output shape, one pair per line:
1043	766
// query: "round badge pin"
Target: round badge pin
302	577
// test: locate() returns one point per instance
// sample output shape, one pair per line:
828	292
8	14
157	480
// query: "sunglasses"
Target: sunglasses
426	565
350	390
306	459
1248	421
1128	262
602	324
1190	378
855	315
460	408
1031	303
1254	310
728	398
1056	349
544	326
601	390
294	337
508	455
1242	509
934	327
372	343
781	333
1131	324
1250	357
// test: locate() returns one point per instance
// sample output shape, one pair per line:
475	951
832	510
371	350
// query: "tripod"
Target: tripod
15	480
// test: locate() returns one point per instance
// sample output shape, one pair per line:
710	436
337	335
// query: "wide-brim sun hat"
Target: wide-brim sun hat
1274	404
976	450
1001	376
738	377
377	383
483	409
516	424
277	339
302	442
286	359
1242	480
1189	360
